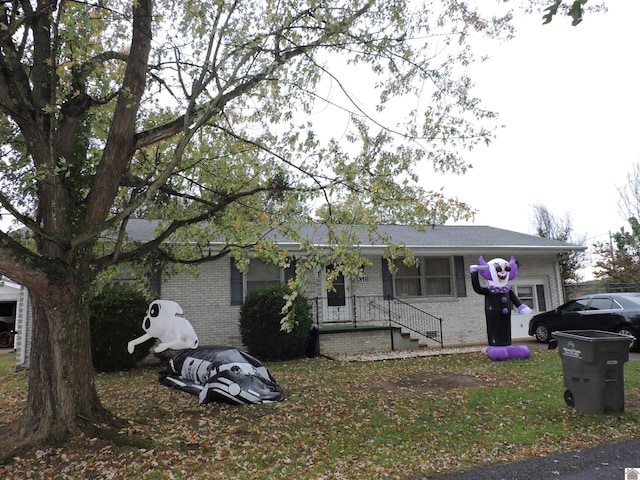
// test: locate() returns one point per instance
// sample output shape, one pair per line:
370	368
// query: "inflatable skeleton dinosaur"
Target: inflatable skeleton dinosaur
212	373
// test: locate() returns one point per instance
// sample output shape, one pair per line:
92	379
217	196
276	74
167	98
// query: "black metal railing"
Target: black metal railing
414	319
360	311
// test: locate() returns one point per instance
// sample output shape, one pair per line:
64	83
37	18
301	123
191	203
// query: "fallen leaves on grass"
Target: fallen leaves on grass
393	419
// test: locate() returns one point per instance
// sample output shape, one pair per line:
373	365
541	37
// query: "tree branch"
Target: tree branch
121	139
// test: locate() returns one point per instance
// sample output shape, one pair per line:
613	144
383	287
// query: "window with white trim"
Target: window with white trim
431	276
260	275
533	296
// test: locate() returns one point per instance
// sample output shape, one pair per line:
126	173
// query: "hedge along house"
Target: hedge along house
431	304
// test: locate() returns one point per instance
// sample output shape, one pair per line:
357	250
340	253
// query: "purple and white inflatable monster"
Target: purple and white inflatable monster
211	373
498	300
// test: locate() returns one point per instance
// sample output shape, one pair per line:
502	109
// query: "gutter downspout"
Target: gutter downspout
21	359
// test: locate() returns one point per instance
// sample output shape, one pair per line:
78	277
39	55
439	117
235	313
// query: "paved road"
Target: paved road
607	462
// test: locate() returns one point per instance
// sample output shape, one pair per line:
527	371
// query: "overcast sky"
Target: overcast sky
570	100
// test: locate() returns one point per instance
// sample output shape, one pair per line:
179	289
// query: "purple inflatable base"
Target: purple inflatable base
509	352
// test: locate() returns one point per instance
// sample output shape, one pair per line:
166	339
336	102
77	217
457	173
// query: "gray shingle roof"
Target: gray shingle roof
440	238
467	236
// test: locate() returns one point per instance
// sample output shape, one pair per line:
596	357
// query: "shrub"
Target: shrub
260	324
116	318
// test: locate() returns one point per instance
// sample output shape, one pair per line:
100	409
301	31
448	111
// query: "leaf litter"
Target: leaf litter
400	419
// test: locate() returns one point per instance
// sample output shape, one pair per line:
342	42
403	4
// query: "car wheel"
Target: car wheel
626	331
542	333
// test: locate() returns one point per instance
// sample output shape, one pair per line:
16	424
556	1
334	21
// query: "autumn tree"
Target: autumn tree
203	114
629	194
548	225
574	9
619	259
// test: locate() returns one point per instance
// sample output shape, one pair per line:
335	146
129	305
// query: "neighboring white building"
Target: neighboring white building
9	296
440	286
13	312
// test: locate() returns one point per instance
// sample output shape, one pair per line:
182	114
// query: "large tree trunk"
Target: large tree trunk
62	397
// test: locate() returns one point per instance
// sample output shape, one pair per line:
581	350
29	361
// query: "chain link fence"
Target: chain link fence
590	288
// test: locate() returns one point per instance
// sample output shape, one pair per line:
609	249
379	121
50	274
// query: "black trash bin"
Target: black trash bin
593	369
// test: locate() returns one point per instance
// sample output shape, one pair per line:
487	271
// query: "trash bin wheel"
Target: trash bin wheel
568	398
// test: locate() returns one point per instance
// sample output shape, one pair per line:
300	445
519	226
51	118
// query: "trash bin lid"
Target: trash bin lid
592	335
593	346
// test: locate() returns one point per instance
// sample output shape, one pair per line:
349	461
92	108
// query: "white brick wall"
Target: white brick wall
206	299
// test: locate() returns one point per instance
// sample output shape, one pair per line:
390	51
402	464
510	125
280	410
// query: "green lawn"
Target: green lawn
399	419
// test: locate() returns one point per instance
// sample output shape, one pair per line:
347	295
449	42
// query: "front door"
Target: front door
337	302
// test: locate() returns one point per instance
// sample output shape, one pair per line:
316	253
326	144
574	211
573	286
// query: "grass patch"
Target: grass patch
394	419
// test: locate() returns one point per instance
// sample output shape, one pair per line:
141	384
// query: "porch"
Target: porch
358	324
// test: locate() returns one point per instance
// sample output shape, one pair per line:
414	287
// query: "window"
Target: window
260	275
526	296
575	305
437	273
407	280
603	304
532	296
431	276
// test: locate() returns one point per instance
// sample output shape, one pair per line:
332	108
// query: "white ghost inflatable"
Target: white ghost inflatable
164	321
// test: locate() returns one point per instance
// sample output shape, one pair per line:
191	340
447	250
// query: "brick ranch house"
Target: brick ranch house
430	305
